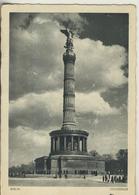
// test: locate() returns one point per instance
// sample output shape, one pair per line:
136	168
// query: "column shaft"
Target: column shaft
69	91
53	144
72	146
58	143
85	145
45	165
65	143
82	145
78	143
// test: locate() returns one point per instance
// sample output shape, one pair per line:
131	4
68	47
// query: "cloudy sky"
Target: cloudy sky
36	81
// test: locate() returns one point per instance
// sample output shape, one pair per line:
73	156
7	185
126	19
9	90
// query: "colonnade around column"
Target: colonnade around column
68	143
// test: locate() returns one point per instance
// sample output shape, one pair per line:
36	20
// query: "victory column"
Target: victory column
68	153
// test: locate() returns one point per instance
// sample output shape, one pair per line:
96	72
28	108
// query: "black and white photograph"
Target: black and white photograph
68	94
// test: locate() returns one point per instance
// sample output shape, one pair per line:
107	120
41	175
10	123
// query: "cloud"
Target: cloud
116	96
111	141
73	21
36	63
96	121
37	110
38	50
98	67
44	110
22	139
93	103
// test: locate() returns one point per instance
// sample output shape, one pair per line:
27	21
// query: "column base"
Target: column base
68	126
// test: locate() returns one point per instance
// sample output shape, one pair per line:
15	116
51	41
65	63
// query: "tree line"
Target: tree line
115	164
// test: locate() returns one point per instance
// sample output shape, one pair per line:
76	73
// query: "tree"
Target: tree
22	169
28	168
95	154
122	156
107	157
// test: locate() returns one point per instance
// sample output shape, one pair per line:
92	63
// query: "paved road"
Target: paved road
75	182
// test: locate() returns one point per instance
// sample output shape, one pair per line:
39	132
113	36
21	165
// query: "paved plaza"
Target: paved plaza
75	182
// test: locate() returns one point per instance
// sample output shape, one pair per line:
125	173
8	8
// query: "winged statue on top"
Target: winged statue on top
69	34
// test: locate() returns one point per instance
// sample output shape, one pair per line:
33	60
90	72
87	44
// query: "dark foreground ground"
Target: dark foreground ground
75	182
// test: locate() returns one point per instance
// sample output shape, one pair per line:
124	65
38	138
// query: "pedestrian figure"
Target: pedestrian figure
123	179
115	179
119	179
84	177
105	178
112	179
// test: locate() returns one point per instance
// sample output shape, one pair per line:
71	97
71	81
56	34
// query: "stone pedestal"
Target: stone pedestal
76	165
